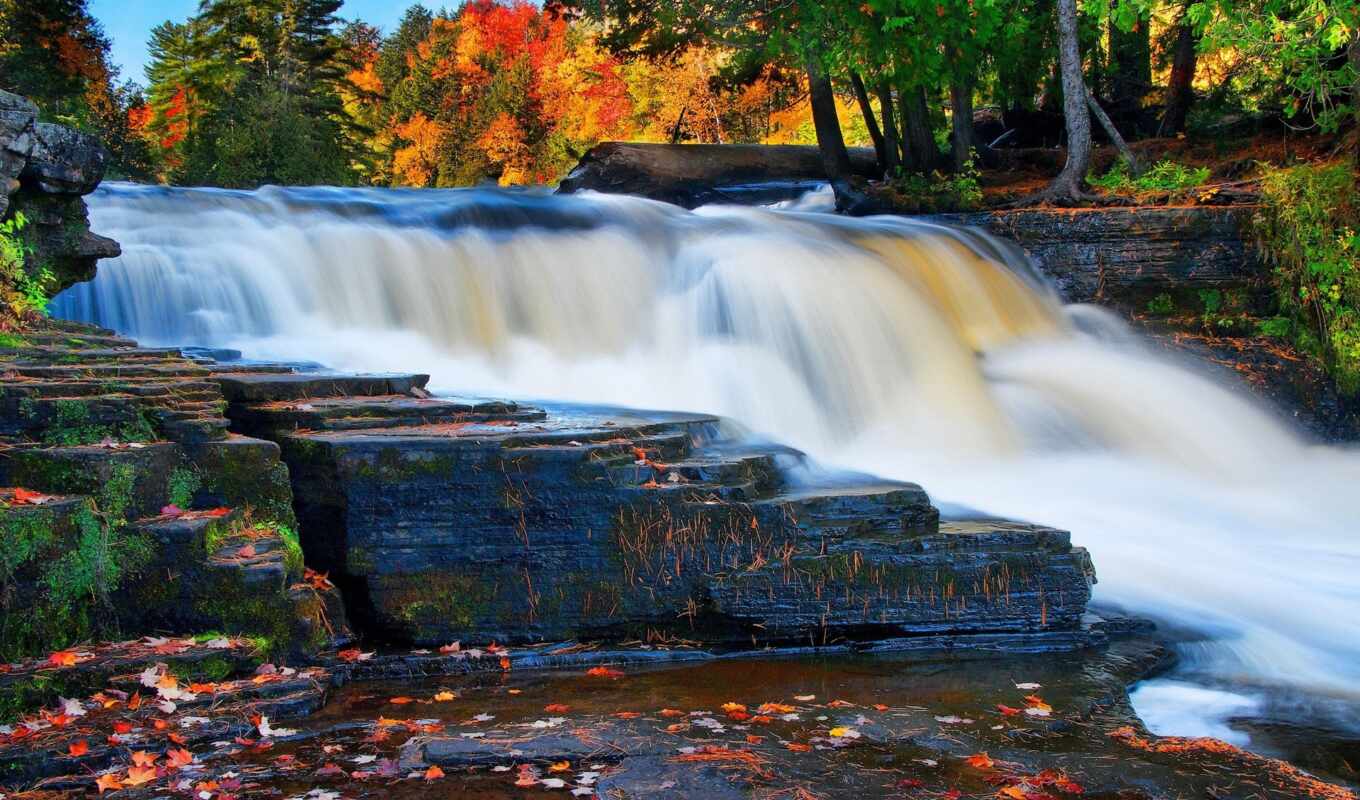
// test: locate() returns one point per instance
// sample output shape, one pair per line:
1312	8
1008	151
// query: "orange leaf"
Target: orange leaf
604	672
799	747
62	658
980	761
108	782
559	766
1006	710
137	776
143	759
434	774
730	707
399	701
179	758
505	663
672	712
556	708
78	748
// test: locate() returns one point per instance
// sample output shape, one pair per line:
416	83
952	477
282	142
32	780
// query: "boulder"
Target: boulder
64	160
44	171
692	175
17	117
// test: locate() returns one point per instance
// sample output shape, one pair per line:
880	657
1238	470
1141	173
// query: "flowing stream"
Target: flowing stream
916	351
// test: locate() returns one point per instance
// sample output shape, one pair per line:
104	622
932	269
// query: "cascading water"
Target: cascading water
913	350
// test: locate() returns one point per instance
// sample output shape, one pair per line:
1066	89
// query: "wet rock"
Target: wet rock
1123	254
128	452
445	519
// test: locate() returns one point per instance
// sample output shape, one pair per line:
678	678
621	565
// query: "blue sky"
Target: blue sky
129	22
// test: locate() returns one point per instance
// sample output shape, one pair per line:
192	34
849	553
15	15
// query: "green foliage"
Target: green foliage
23	289
57	577
1166	178
1161	306
71	424
183	483
937	192
1307	231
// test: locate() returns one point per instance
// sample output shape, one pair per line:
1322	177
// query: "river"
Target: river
912	350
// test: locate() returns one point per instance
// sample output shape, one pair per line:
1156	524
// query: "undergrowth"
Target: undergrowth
937	192
1306	231
1166	178
23	290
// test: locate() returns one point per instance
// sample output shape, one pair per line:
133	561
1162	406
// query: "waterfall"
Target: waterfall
914	350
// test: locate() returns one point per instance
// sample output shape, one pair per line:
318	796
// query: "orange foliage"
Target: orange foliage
416	163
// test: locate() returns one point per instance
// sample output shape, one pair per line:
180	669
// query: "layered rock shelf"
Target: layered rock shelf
445	518
132	507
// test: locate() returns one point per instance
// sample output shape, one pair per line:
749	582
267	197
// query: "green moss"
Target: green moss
69	570
71	422
181	486
11	341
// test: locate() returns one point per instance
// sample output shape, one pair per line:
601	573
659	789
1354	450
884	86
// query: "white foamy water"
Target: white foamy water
915	351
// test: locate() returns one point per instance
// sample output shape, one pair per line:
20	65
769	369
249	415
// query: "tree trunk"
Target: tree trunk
891	145
870	121
1067	186
961	127
829	140
1113	133
918	147
1180	89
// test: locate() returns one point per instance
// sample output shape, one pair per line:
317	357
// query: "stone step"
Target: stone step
758	470
40	355
157	371
77	340
251	369
391	410
197	430
260	387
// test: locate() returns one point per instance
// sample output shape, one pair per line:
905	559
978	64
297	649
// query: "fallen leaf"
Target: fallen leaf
559	766
143	759
980	761
63	658
445	696
179	758
108	782
604	672
136	776
400	701
557	708
434	773
78	748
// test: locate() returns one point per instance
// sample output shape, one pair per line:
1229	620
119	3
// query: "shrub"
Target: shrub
1306	231
23	291
1163	178
937	192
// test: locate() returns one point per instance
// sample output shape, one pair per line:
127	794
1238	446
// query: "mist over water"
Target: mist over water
912	350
